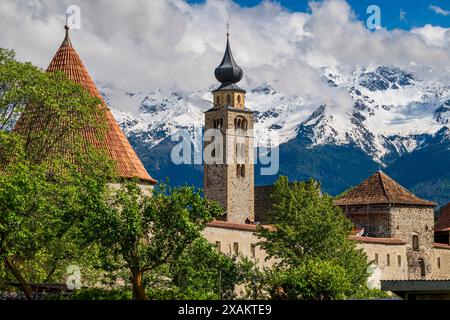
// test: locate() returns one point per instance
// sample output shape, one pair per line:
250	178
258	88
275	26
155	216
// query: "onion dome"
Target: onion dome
228	72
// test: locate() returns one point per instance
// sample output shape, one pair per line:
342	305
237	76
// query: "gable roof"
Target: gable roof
443	223
117	145
380	189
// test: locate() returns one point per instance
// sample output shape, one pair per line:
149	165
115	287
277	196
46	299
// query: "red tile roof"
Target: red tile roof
117	145
443	223
442	246
380	189
392	241
237	226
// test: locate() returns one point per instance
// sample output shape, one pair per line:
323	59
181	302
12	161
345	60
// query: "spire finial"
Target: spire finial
66	42
228	72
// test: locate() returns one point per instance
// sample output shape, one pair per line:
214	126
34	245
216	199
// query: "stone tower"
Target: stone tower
229	174
384	209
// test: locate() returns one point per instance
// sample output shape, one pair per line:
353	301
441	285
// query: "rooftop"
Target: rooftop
116	143
443	223
380	189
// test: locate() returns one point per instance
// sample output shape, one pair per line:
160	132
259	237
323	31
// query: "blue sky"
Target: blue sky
418	12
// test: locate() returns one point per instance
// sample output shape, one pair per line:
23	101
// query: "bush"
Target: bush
312	280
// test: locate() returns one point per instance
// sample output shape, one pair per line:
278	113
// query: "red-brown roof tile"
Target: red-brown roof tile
442	246
238	226
380	189
117	145
392	241
443	223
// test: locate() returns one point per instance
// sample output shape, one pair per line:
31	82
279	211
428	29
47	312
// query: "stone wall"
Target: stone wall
146	188
232	240
407	222
391	260
441	263
263	203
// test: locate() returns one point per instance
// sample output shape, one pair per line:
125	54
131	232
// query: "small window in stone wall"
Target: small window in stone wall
236	248
399	260
439	262
415	242
219	246
228	99
253	250
376	258
422	267
239	99
388	259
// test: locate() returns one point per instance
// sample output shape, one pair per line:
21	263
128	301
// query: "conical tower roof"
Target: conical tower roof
117	145
380	189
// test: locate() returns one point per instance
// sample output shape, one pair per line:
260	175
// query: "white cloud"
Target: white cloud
439	10
166	44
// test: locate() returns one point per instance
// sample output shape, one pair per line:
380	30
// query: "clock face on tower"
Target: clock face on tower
215	174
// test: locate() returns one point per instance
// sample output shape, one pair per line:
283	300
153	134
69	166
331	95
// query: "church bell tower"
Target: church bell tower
229	179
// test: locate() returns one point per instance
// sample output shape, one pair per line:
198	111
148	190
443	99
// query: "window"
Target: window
236	248
376	258
253	250
228	99
422	267
388	260
240	124
218	246
218	123
439	262
218	101
240	170
239	99
399	260
415	241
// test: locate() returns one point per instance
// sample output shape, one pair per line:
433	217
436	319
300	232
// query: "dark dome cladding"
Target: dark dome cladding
228	71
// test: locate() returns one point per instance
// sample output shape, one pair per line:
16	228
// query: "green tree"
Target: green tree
201	272
142	233
308	229
311	280
49	176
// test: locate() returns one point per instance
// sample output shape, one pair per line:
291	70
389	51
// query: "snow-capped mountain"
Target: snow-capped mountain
391	112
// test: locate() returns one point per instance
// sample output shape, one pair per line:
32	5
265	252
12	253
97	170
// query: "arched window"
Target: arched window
239	99
240	124
218	101
415	242
218	123
228	99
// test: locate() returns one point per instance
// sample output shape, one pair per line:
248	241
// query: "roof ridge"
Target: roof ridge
383	186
